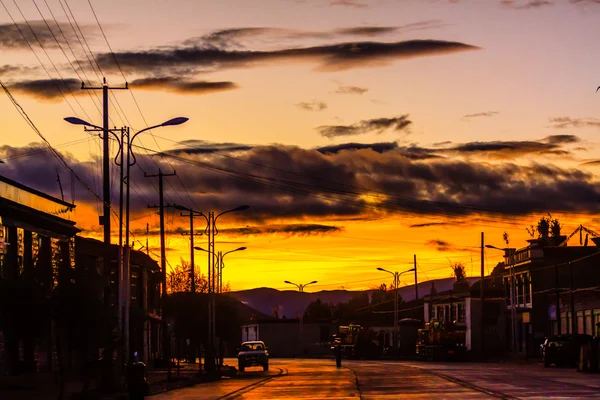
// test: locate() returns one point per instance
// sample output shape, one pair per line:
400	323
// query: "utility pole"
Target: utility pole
191	233
163	263
210	352
105	218
416	286
481	299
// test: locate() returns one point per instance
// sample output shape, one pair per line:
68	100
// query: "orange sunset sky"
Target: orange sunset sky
359	132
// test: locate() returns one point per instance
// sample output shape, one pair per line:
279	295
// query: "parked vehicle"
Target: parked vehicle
253	353
438	341
564	349
356	342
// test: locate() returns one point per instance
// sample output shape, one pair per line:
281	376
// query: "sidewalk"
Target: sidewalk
45	386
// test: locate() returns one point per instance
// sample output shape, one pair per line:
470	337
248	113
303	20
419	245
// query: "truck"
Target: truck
356	342
439	341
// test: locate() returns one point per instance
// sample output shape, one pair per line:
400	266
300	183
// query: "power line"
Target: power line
38	58
48	56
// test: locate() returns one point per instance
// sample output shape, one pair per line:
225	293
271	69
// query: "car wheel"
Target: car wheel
266	367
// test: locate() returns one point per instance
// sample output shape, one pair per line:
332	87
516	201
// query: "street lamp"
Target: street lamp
221	263
300	286
509	252
211	231
125	267
396	276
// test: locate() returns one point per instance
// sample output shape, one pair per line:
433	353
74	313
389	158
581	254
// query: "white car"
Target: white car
253	353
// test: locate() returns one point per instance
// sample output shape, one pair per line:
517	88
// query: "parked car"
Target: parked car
253	353
563	349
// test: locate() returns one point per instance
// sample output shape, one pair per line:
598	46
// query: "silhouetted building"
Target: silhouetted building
145	319
462	304
36	257
542	274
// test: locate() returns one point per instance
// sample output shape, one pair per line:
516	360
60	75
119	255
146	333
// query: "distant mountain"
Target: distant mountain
292	304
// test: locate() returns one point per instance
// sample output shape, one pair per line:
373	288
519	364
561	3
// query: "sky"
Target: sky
360	133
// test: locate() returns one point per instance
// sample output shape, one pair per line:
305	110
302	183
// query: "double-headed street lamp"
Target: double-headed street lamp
211	231
221	264
509	253
126	141
300	286
396	276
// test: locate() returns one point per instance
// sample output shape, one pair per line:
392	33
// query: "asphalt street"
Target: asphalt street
320	379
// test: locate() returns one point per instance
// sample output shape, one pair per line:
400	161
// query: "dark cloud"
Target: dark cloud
562	139
585	2
16	70
428	224
351	90
481	114
46	89
504	149
348	3
568	122
182	86
376	147
526	4
367	30
441	144
415	152
376	125
288	230
205	147
239	38
440	245
313	105
283	183
335	57
12	38
550	145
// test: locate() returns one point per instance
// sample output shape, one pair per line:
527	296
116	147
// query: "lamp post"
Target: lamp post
124	274
301	287
396	276
211	231
192	265
221	264
509	252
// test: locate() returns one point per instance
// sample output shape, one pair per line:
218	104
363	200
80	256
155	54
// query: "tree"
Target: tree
458	271
178	279
318	310
546	227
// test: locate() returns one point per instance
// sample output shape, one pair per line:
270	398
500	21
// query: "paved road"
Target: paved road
319	379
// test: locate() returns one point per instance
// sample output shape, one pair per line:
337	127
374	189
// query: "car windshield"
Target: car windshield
252	346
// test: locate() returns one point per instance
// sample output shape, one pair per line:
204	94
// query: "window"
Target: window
528	289
596	320
519	285
460	312
563	323
589	324
569	322
580	322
